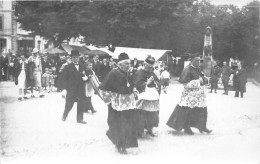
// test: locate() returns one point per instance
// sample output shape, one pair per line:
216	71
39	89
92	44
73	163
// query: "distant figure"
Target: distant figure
35	71
96	66
104	69
22	74
214	76
240	80
165	79
225	74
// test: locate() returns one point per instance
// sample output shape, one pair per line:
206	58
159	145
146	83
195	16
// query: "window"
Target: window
1	22
2	44
1	4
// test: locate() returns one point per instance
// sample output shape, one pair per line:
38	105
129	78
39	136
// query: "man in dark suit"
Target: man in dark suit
73	87
104	69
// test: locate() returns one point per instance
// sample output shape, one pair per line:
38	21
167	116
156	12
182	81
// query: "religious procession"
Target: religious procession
132	96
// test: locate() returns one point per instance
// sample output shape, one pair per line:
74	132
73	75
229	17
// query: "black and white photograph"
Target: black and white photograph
130	81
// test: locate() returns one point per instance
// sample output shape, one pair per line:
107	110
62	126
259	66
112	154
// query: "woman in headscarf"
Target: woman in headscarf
191	111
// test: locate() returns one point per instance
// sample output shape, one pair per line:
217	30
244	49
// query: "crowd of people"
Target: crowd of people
131	90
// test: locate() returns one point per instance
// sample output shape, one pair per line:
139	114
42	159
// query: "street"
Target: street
32	131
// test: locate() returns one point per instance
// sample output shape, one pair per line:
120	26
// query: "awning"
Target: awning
98	53
103	49
141	53
69	48
53	51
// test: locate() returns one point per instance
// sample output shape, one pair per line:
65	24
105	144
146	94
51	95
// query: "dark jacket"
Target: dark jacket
240	80
45	64
140	80
71	80
226	72
215	73
104	70
96	68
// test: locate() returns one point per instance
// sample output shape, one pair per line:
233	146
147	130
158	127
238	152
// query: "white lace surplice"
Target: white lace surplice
193	95
118	101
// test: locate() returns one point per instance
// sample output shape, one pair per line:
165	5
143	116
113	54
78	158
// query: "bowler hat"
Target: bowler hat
74	53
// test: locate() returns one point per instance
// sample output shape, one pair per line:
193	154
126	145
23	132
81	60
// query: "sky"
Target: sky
238	3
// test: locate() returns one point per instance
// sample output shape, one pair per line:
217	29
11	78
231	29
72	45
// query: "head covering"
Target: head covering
122	57
150	60
35	50
74	53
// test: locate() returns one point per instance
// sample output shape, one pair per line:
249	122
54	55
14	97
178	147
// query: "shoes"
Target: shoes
93	111
32	96
207	130
151	133
188	131
210	91
121	150
63	119
20	99
41	96
215	91
81	122
140	135
25	97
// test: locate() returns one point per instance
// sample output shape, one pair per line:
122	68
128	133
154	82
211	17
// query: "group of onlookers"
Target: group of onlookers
236	70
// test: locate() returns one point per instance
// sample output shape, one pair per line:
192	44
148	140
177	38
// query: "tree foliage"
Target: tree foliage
178	25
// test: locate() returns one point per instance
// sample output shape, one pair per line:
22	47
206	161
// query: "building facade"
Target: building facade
7	26
12	37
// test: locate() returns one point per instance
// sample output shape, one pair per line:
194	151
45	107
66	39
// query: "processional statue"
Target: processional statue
207	51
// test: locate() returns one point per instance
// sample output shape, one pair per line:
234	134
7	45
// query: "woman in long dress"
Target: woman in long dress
36	71
191	111
22	74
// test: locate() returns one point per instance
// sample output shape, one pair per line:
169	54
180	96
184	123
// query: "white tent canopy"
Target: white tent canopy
140	53
91	47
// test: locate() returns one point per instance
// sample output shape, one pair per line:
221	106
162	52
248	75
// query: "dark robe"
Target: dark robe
122	128
148	110
185	116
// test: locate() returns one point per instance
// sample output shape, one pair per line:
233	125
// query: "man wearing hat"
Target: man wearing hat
35	71
118	91
148	84
73	88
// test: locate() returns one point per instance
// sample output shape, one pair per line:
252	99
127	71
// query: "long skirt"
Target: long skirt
184	116
122	127
22	84
148	114
37	79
